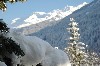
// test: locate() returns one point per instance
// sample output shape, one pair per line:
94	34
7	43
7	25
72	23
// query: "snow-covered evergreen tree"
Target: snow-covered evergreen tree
93	59
76	49
3	3
7	45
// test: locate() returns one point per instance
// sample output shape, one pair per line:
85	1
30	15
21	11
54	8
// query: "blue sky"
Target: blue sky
25	9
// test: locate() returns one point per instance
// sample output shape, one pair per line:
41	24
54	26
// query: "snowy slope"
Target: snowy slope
38	17
38	51
2	64
88	18
40	20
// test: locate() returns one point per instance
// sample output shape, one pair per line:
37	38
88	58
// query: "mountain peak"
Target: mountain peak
54	15
88	19
14	20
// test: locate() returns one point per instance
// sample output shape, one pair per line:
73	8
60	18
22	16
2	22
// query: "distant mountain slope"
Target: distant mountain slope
38	17
40	20
88	18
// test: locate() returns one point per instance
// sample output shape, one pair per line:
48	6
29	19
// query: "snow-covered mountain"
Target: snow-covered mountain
88	18
38	17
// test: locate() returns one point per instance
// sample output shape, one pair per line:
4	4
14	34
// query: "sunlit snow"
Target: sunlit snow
38	51
54	15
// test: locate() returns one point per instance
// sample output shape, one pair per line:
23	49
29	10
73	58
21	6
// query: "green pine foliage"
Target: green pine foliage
7	45
3	6
3	27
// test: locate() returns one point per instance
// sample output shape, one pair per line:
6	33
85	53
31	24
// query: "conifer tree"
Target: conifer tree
75	49
3	6
7	45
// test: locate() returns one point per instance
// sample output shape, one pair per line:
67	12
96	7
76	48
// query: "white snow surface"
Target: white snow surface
14	20
38	51
54	15
2	64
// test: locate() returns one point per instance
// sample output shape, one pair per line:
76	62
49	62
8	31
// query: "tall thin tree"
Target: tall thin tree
75	48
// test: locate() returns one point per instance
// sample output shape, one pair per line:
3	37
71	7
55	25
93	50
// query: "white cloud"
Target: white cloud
14	20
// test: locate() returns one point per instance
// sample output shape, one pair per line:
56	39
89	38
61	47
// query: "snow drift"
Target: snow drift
2	64
38	51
